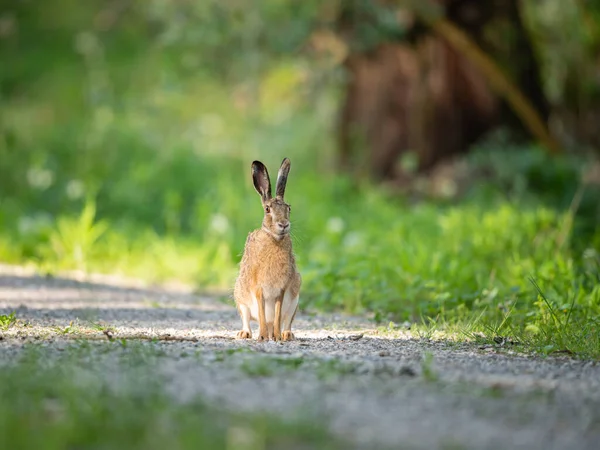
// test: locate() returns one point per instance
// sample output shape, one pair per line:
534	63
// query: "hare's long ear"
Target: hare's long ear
262	182
282	175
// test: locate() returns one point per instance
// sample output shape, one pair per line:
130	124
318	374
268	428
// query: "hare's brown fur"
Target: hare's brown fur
268	284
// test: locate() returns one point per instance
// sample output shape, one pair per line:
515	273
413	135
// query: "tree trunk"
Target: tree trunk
420	95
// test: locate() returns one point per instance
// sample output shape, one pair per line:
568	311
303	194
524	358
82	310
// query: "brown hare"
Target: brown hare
268	285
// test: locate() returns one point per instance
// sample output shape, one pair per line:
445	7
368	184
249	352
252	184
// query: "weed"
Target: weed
268	366
101	327
7	320
222	355
332	368
238	350
259	367
290	363
72	328
154	304
427	369
73	241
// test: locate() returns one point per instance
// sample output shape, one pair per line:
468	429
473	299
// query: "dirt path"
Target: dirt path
375	389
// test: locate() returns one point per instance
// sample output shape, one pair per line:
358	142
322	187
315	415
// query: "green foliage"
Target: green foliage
7	320
266	367
72	241
564	323
427	367
567	59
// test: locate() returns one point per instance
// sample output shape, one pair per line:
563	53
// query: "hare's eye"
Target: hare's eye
267	209
289	208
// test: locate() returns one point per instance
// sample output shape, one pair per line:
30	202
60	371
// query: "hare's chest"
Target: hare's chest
276	274
275	267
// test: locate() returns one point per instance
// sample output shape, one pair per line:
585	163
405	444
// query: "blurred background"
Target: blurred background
443	153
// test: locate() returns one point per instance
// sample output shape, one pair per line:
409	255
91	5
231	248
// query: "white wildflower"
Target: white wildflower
40	178
75	189
219	223
353	239
335	225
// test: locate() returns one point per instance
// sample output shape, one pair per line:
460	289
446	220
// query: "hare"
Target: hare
268	285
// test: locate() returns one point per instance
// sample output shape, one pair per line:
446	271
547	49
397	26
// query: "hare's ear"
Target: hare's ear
282	175
261	180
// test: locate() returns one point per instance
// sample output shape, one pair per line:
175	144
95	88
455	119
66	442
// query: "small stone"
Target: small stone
384	353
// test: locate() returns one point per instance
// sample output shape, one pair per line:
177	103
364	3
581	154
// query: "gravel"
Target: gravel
374	389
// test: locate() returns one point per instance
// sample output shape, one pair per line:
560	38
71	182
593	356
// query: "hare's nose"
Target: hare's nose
283	225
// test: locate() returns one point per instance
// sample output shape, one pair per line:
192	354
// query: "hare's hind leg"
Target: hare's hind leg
288	319
290	308
246	332
277	318
286	334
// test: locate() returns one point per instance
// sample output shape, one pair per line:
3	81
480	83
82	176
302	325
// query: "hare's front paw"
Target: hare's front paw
244	334
287	336
263	336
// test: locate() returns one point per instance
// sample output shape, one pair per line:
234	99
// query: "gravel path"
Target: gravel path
375	389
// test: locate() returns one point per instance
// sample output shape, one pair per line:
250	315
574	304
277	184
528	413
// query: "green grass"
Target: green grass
269	366
465	266
68	403
427	367
7	320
